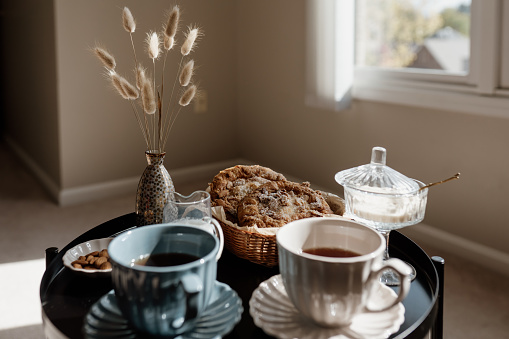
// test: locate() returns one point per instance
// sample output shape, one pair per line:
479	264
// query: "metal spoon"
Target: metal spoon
456	176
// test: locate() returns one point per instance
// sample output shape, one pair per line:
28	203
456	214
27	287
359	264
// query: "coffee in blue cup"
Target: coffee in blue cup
163	276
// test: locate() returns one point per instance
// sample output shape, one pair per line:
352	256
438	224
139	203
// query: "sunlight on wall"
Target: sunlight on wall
20	304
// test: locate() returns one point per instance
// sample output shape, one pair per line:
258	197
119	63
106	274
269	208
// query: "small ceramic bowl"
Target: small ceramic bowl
82	250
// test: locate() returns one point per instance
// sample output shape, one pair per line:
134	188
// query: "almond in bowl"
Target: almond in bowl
89	258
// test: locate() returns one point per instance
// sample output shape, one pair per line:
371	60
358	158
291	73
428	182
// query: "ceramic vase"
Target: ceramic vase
154	190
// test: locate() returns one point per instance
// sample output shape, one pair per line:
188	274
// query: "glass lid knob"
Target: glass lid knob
378	156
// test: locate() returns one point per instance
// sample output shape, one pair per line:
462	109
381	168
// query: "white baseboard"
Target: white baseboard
49	184
83	194
482	255
78	195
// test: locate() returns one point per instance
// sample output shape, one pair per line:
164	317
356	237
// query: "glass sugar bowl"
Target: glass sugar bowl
380	197
384	199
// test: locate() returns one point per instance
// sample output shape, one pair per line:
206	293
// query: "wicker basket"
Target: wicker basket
260	248
255	247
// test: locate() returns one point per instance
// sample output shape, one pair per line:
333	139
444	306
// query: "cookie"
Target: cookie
276	203
231	185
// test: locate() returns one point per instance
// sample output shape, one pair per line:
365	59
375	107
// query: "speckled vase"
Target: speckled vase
154	190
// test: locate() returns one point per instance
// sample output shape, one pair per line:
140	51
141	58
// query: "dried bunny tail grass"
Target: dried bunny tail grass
106	58
128	20
188	95
187	73
153	43
147	97
171	27
140	76
191	38
123	87
131	91
117	83
168	42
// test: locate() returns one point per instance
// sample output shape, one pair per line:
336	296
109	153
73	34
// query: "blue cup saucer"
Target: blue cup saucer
105	320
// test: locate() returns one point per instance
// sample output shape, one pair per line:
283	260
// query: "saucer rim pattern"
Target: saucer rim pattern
224	310
273	312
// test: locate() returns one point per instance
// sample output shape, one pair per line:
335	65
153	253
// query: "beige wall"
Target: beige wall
280	131
252	62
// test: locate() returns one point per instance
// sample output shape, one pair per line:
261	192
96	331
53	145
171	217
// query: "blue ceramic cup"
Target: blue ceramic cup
163	300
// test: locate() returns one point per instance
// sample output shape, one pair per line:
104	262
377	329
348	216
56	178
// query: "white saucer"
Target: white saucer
104	319
275	314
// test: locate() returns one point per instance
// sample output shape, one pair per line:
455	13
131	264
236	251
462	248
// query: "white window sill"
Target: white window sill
462	99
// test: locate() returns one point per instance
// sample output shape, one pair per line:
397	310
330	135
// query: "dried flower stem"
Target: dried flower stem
161	97
159	120
170	125
185	99
154	117
138	119
171	115
134	50
167	117
147	129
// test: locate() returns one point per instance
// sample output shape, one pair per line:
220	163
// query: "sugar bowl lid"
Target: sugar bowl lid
376	177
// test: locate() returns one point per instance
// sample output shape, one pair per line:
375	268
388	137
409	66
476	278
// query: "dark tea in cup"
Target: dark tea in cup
333	252
166	259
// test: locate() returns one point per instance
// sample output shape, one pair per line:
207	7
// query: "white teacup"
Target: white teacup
332	290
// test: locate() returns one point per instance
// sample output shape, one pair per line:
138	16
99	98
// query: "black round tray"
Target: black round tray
66	297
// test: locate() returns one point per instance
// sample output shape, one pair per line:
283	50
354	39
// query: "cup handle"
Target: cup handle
192	285
218	230
403	271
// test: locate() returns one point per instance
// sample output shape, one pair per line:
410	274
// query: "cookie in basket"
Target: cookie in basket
231	185
277	203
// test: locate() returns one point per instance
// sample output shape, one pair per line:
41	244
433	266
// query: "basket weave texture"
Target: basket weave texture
255	247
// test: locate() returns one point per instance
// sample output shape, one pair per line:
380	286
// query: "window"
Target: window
430	35
474	78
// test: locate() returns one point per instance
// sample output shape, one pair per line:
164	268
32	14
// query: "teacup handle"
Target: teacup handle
403	271
218	230
192	285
